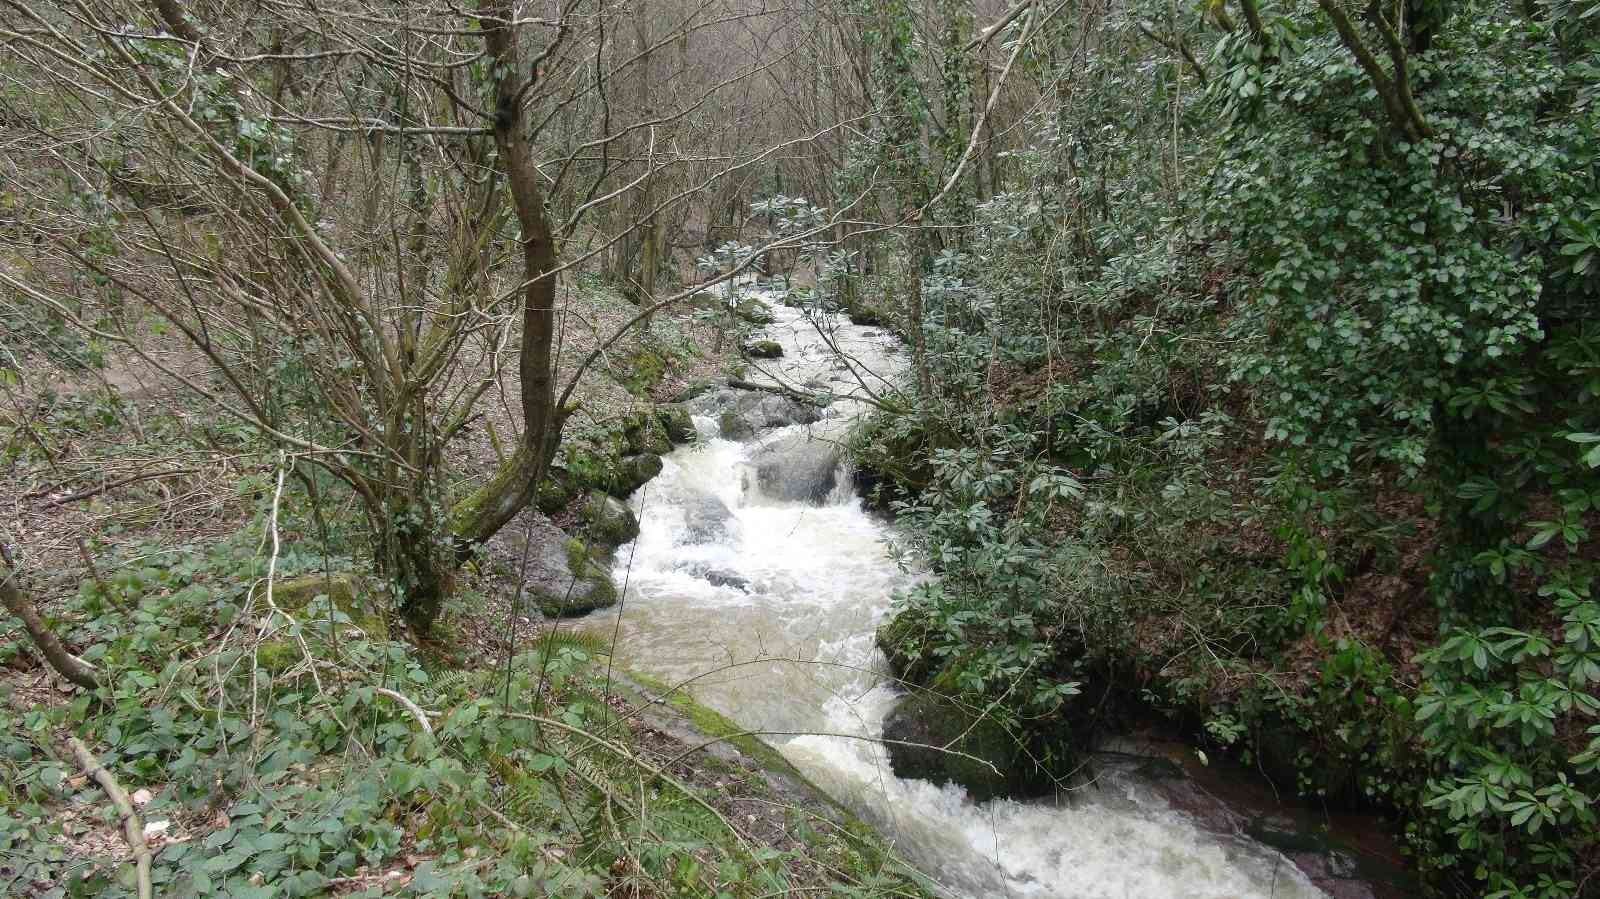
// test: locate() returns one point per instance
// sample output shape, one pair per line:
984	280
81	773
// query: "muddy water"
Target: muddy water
763	594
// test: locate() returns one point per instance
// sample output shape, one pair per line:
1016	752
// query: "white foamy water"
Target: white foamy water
768	609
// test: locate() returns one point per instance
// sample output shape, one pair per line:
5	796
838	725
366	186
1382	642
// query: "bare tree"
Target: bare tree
358	316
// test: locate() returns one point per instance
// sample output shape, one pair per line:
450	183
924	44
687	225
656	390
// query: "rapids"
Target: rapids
767	608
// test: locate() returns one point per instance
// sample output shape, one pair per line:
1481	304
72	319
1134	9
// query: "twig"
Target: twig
94	572
112	485
132	828
415	710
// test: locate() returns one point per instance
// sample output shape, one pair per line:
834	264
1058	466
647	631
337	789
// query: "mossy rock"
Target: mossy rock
607	521
297	597
932	738
676	422
903	641
555	492
694	390
587	585
763	349
707	301
752	311
645	433
641	371
633	472
348	593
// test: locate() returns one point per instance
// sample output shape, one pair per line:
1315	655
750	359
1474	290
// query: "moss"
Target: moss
676	422
348	593
607	521
763	349
643	369
555	493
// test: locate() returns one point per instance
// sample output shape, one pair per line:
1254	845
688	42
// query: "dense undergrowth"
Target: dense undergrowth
1257	411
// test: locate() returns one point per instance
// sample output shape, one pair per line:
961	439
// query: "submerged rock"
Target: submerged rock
706	519
798	468
718	577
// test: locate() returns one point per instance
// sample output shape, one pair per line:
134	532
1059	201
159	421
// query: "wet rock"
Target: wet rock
607	521
676	421
634	471
734	426
931	738
645	433
763	349
902	639
798	468
565	577
706	519
719	577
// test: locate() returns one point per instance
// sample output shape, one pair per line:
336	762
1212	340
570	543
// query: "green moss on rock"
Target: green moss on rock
932	738
763	349
607	521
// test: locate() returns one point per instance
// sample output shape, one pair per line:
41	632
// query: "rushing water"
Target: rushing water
768	607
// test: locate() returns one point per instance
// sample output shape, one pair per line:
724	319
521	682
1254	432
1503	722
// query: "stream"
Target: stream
759	578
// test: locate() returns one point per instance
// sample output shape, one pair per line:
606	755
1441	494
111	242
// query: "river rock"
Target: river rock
706	519
763	349
565	577
719	577
608	521
934	739
757	410
676	421
634	471
798	468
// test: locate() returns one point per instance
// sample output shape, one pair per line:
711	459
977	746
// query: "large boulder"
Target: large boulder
564	576
935	739
633	472
757	410
706	519
676	421
607	521
797	468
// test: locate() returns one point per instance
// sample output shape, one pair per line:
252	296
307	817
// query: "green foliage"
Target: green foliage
1303	377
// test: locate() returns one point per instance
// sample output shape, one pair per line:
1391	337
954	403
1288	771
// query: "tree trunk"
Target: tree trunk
514	485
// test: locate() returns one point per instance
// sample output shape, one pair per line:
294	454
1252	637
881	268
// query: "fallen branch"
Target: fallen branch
415	710
778	389
70	666
132	828
112	485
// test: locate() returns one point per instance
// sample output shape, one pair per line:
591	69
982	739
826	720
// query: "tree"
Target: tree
357	319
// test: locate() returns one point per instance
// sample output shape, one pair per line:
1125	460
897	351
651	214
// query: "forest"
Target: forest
1227	370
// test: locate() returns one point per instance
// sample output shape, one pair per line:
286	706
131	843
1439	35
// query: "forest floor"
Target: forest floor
141	523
